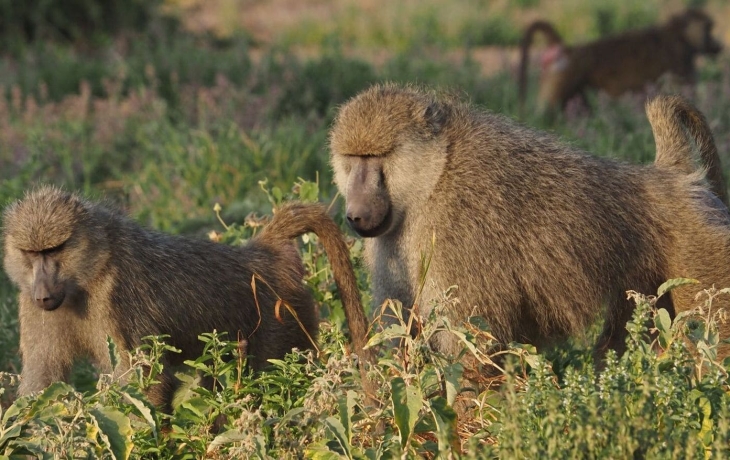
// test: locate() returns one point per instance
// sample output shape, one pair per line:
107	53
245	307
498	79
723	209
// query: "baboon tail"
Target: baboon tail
295	219
553	38
676	124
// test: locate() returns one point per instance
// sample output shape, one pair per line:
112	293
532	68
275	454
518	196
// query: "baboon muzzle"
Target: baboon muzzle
48	294
368	203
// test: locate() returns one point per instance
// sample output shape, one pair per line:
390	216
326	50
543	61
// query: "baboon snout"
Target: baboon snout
368	201
360	217
47	299
368	220
47	292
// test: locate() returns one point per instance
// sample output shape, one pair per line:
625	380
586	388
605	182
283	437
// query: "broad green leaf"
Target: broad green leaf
290	415
50	396
276	193
51	412
452	375
709	353
33	446
144	408
705	433
407	402
321	455
117	429
12	432
309	192
674	283
227	437
663	323
480	323
198	406
15	409
338	430
345	415
446	434
320	451
92	430
394	331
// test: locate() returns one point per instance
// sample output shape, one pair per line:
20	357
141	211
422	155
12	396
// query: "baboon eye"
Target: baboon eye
53	250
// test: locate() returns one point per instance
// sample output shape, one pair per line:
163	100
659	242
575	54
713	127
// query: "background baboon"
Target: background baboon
85	272
620	63
536	234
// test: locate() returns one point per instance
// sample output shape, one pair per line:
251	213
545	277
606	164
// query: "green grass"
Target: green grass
173	124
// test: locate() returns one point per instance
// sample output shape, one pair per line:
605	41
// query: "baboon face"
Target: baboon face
47	285
698	33
369	209
44	250
387	156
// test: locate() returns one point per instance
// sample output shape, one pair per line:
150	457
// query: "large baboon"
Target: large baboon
536	234
86	272
619	63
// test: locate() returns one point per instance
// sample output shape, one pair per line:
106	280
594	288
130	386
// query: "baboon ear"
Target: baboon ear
435	116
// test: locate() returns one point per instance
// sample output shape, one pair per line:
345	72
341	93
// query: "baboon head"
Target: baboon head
50	249
696	29
386	151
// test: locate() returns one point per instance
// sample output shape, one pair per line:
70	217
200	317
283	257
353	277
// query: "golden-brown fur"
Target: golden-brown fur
537	235
86	272
670	116
619	63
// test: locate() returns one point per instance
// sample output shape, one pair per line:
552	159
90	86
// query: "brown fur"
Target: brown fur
619	63
535	234
670	117
85	273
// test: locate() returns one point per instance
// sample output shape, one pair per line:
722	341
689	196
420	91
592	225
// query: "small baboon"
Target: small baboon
86	272
619	63
536	235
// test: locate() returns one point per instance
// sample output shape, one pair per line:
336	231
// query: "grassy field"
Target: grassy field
234	108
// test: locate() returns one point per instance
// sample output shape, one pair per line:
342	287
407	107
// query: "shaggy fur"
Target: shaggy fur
670	117
85	273
537	235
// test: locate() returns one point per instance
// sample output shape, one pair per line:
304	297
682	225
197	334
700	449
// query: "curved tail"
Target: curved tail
672	119
553	38
295	219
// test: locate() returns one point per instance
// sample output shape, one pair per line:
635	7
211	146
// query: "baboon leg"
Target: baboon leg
41	367
613	336
45	359
161	394
40	370
614	330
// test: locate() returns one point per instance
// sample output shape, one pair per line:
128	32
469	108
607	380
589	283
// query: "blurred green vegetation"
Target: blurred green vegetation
78	22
